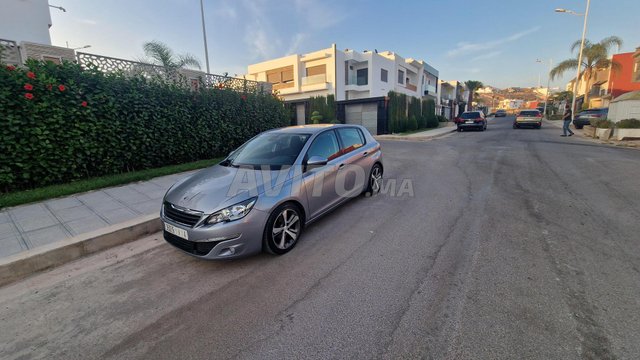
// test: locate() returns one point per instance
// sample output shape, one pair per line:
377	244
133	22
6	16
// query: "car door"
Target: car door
355	165
320	182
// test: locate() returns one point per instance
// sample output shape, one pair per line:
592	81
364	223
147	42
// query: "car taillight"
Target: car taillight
539	115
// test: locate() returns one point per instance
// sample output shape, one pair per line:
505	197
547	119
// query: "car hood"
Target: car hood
217	187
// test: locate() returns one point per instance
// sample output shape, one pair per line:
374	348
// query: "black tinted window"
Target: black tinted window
471	115
351	139
325	145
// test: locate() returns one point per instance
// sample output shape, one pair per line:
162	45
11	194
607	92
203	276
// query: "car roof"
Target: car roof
309	129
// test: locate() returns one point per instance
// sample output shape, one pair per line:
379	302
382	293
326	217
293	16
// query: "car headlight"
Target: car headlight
232	213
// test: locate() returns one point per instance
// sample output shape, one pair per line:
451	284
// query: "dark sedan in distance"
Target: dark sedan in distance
584	118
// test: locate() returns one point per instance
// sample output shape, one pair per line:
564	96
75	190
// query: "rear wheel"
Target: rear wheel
283	229
578	126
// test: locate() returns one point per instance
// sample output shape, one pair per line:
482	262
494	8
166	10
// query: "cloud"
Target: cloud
318	15
225	10
296	41
487	55
467	48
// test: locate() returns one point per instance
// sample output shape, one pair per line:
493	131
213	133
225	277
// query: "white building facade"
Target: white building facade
25	20
357	80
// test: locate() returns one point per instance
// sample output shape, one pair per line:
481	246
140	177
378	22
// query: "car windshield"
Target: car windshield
269	149
471	115
529	113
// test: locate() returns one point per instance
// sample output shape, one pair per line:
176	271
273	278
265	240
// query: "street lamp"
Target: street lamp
58	7
584	34
204	35
82	47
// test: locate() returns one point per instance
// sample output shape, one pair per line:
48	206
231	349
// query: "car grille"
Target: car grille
192	247
181	216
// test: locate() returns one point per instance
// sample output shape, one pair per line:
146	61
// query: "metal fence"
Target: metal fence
187	76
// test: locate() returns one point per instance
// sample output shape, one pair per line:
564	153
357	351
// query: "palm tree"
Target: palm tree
161	55
595	56
473	85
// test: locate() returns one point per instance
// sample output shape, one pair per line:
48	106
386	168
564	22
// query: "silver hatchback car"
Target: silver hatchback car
264	193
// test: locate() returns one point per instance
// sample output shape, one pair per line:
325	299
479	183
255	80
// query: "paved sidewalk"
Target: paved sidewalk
422	135
29	226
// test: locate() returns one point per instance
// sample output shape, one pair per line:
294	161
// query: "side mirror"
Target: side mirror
316	161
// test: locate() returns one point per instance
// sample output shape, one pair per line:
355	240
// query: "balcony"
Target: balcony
314	79
411	87
314	83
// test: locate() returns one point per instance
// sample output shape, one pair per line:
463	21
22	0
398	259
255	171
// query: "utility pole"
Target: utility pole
204	35
546	98
575	85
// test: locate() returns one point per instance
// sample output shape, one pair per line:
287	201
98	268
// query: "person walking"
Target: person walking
567	122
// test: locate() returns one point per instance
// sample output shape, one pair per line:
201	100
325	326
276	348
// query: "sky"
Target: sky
494	41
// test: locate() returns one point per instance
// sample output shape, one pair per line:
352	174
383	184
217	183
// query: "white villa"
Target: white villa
359	81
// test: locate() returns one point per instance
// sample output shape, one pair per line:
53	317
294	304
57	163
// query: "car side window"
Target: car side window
351	138
325	145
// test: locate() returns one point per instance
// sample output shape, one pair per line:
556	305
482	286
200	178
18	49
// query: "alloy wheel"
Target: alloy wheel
286	229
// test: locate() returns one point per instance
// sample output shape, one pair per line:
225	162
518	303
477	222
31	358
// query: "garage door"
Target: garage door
363	114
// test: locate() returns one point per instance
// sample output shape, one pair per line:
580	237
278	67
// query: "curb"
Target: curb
19	266
412	138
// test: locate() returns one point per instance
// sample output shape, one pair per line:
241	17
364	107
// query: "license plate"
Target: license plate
176	231
469	122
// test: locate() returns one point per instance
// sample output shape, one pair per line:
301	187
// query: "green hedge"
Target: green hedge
61	123
325	106
410	113
628	124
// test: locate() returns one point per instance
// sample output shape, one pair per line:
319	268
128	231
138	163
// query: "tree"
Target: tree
473	85
161	55
595	56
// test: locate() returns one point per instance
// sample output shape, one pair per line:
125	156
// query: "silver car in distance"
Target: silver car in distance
264	193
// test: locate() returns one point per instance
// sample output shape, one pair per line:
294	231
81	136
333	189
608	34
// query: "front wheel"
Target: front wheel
283	229
375	180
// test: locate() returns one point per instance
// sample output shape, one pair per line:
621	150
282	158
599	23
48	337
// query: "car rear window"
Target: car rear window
471	115
529	113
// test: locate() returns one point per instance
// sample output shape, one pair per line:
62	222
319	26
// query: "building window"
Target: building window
362	76
384	75
400	77
281	77
317	70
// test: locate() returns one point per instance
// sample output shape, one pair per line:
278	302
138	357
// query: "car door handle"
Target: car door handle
365	154
341	167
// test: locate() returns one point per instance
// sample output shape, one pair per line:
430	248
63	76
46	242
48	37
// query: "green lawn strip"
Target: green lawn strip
54	191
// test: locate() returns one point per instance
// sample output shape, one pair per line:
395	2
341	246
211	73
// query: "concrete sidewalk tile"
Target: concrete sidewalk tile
148	207
4	217
152	190
126	195
7	229
64	203
85	225
11	245
74	213
116	216
99	201
33	217
45	236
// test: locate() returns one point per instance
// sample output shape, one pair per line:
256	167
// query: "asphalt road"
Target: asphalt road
516	244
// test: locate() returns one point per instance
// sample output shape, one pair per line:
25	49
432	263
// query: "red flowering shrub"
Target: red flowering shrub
31	75
28	87
11	67
133	123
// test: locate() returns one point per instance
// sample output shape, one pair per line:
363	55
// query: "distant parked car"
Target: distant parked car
472	120
584	118
491	114
530	118
501	113
205	217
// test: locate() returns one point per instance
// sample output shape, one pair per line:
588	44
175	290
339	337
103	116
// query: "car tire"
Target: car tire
282	232
578	126
375	180
459	130
515	126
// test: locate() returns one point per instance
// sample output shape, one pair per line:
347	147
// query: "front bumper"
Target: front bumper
473	125
221	241
581	122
